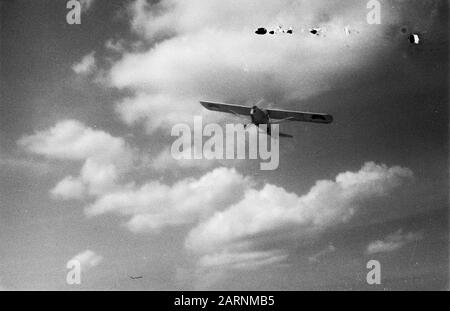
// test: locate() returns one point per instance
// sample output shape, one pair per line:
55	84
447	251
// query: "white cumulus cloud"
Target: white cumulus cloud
319	255
393	242
154	205
86	65
104	156
244	260
86	5
69	188
71	139
266	214
87	259
233	219
208	50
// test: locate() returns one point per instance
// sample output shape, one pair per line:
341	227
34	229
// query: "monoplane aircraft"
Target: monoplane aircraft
268	116
136	277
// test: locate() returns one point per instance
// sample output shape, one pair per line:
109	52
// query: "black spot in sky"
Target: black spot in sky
261	31
414	38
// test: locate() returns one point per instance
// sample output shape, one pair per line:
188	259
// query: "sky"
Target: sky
87	174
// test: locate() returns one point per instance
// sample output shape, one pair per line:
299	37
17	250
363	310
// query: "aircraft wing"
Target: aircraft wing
234	109
299	116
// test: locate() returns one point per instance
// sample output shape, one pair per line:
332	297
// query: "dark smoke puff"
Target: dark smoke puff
261	31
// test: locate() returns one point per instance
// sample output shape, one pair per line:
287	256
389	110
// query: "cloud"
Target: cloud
316	257
234	222
273	216
106	160
244	260
105	157
86	5
87	259
154	205
72	140
198	52
165	161
160	110
69	188
393	242
86	65
117	46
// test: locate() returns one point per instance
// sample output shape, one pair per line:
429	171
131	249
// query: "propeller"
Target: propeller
259	102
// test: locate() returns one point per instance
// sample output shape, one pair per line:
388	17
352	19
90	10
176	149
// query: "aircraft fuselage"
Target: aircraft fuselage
259	116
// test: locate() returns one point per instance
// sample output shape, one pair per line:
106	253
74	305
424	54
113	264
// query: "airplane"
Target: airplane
136	277
268	116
